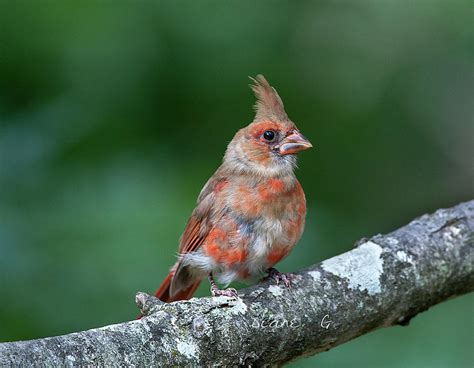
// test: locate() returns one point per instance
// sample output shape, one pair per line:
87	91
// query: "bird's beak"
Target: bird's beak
294	143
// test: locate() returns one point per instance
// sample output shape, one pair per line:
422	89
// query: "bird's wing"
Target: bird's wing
200	223
197	229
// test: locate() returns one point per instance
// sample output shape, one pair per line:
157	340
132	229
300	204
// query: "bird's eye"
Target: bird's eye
269	135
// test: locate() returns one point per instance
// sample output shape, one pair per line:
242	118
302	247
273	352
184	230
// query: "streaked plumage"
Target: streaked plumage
251	212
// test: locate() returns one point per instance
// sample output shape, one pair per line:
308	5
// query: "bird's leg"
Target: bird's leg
278	276
215	291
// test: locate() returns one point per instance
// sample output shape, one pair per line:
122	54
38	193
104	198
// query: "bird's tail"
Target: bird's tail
163	292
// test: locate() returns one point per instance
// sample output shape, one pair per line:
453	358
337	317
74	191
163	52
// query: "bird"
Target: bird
250	213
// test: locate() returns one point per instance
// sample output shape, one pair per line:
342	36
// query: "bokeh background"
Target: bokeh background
114	114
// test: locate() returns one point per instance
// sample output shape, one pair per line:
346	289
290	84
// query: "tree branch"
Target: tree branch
384	281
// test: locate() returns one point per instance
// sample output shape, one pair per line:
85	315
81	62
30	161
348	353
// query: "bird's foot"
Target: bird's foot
229	292
278	276
215	291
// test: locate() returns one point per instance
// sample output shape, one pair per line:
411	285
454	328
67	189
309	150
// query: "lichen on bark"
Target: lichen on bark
384	281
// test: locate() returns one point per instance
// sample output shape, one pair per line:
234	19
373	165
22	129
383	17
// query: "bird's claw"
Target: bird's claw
230	292
278	276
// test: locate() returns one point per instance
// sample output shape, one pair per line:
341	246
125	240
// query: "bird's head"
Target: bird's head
267	146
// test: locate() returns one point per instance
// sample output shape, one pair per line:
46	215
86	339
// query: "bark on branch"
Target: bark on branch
384	281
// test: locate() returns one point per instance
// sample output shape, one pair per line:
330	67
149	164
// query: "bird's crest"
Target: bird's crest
269	105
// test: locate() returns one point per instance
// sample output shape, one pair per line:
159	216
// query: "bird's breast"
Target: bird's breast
271	197
270	217
258	225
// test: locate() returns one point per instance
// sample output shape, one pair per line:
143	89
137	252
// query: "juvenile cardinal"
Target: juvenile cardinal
251	212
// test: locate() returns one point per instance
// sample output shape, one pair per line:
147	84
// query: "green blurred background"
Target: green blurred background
114	114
